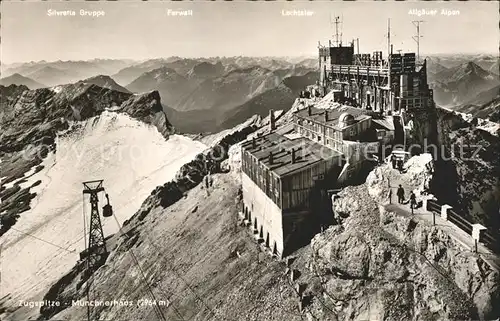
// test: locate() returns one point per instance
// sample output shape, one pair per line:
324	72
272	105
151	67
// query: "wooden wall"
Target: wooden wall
265	179
299	188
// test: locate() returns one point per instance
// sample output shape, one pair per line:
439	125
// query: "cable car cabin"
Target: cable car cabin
107	210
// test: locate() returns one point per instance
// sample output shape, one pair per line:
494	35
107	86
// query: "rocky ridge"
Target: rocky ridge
31	120
470	167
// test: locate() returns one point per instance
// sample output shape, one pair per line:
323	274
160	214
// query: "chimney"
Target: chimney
309	111
272	124
253	143
293	155
326	115
271	158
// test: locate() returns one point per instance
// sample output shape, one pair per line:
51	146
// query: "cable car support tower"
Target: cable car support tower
95	252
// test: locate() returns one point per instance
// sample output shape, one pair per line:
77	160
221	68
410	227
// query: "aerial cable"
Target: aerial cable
156	308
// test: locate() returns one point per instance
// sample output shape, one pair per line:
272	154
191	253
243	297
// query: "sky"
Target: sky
143	30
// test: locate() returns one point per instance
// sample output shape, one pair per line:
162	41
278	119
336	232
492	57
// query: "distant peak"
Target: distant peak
100	77
104	81
472	66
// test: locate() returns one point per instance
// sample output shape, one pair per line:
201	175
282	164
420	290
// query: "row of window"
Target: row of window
330	142
266	180
318	129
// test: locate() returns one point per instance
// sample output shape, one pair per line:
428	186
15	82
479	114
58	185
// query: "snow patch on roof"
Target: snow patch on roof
292	136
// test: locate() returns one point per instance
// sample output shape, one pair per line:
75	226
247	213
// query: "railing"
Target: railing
353	70
433	206
489	239
459	221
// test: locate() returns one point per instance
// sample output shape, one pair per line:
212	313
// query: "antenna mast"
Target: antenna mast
341	28
389	81
388	37
337	21
418	36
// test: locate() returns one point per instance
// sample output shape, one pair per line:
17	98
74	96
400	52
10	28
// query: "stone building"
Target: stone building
388	85
284	186
286	180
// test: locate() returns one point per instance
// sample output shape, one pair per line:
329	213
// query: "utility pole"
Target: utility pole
418	36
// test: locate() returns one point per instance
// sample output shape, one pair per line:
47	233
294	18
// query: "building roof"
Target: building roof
307	152
318	115
385	123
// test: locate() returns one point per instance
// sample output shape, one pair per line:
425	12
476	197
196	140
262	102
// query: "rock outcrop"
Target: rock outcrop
416	177
469	163
147	108
378	265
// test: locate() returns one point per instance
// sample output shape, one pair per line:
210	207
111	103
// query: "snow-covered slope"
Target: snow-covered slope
132	158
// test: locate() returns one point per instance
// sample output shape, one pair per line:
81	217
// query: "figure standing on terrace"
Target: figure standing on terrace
401	194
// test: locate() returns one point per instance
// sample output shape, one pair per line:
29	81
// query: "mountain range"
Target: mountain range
210	94
485	105
17	79
202	95
105	82
199	94
63	72
465	87
273	92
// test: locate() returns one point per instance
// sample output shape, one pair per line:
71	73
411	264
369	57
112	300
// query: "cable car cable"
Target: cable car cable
157	310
